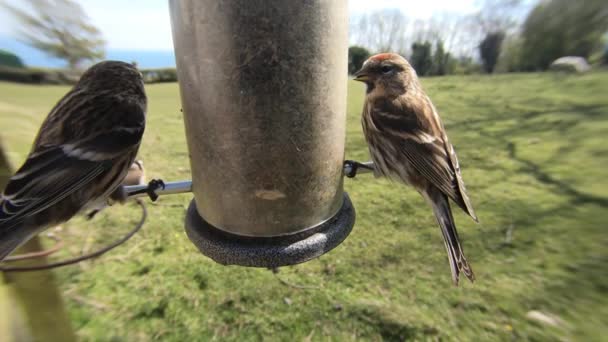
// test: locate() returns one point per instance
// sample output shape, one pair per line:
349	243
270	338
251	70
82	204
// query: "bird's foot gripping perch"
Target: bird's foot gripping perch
351	167
153	185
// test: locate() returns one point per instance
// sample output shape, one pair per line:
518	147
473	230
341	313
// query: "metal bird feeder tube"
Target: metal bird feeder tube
263	88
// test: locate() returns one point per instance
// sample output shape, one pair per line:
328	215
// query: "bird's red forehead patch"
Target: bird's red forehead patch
382	56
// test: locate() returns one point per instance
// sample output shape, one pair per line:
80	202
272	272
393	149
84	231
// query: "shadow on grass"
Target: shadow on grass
526	127
502	132
509	113
385	322
564	188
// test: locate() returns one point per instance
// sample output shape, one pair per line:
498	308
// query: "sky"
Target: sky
145	24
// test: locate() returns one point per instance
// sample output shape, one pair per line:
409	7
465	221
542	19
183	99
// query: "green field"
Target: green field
533	152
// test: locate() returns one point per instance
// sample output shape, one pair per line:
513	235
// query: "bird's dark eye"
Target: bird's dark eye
386	69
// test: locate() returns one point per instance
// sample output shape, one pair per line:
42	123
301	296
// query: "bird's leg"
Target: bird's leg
351	167
153	185
95	209
92	214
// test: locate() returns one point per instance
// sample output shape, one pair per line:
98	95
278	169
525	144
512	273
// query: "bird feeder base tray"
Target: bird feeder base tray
230	249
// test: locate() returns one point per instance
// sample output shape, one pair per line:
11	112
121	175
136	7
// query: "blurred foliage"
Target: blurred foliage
9	59
356	56
467	66
422	58
509	59
429	62
489	50
27	75
39	75
506	34
67	76
497	15
159	75
443	63
59	28
560	28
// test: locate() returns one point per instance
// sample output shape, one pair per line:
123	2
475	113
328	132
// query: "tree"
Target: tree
493	23
422	59
489	50
9	59
510	55
451	32
560	28
498	16
381	31
356	56
466	66
440	60
60	28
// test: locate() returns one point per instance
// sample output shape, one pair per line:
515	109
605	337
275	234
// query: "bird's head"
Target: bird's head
387	73
113	75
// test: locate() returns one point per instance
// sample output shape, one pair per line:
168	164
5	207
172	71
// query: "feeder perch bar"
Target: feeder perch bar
185	186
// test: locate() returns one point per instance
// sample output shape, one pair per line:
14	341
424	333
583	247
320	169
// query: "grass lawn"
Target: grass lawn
533	157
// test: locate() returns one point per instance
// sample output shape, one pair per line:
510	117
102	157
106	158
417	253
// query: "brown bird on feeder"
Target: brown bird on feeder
408	143
80	156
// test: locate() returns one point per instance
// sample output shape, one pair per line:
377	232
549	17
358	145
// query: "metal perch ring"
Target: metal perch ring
144	215
18	257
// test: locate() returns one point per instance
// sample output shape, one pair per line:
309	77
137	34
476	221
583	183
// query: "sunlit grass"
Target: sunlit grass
532	149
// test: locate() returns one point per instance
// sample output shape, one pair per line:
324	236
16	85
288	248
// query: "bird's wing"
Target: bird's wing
51	173
424	146
431	160
47	177
468	207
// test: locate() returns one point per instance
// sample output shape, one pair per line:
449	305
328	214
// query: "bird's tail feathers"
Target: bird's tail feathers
443	213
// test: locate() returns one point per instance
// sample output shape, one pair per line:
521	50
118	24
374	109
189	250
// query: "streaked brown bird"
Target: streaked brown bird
408	143
80	156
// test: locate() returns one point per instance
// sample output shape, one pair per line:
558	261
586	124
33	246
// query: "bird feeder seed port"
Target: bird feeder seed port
263	90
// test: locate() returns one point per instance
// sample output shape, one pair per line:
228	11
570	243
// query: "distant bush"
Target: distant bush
562	28
467	66
9	59
38	75
61	76
443	62
29	75
356	56
65	76
489	50
159	75
422	58
510	59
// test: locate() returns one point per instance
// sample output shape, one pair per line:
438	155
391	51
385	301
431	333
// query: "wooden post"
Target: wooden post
31	307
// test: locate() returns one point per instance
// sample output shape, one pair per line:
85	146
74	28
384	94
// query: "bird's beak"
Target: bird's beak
361	76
